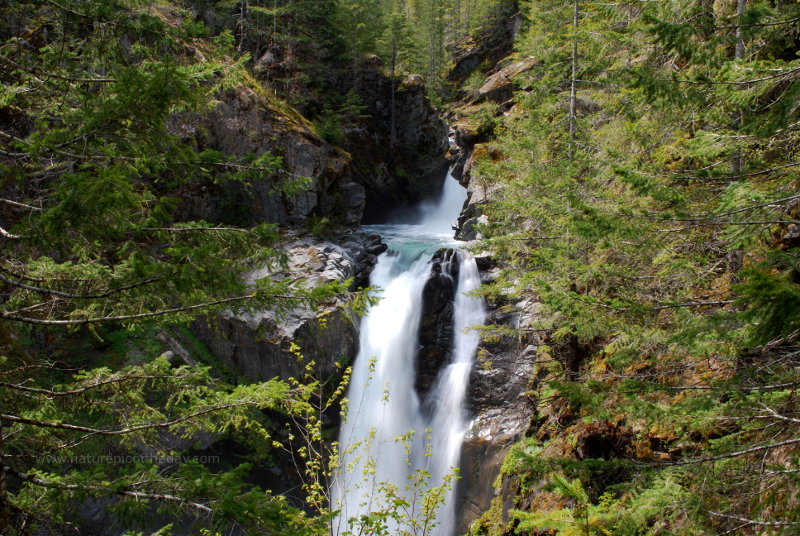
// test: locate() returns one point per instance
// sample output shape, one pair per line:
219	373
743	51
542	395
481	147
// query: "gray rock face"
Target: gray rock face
497	399
258	344
478	194
436	334
500	86
247	123
490	48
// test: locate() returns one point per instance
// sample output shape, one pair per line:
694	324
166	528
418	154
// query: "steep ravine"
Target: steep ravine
358	185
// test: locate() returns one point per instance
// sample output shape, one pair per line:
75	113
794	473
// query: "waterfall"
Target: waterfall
387	439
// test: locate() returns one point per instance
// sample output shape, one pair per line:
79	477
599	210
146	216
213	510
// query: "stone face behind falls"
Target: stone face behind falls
438	315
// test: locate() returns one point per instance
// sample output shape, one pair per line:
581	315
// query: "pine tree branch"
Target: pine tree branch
51	292
758	24
775	387
721	223
48	74
690	304
121	431
82	390
740	83
736	454
127	493
96	320
745	209
201	229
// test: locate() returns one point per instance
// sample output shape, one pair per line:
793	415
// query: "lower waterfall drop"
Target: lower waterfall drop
389	438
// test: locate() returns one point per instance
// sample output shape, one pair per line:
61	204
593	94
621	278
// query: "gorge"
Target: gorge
239	289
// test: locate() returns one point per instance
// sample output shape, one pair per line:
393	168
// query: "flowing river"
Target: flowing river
396	450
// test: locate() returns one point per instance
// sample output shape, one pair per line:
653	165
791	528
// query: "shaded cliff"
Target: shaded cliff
397	169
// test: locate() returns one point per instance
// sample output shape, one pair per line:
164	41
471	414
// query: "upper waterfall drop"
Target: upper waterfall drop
440	217
390	446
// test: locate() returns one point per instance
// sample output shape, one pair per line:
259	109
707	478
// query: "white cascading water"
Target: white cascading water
383	405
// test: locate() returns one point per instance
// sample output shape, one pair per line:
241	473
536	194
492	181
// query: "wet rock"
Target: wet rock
436	333
497	398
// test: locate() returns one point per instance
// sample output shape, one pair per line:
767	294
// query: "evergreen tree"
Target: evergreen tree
94	247
363	23
623	228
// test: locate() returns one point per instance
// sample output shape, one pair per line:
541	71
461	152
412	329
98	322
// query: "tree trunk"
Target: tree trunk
737	159
392	125
736	257
5	506
355	65
244	24
573	81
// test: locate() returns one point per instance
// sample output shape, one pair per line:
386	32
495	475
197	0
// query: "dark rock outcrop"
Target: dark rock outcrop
395	171
436	331
257	344
497	398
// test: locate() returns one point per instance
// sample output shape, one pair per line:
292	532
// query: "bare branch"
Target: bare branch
127	493
8	236
20	205
755	521
776	415
70	295
120	318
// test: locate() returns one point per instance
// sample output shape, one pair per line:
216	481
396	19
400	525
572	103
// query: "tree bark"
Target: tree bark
393	125
573	81
736	257
737	159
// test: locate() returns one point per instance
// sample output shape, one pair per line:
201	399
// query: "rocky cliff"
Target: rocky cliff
397	169
369	173
260	344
